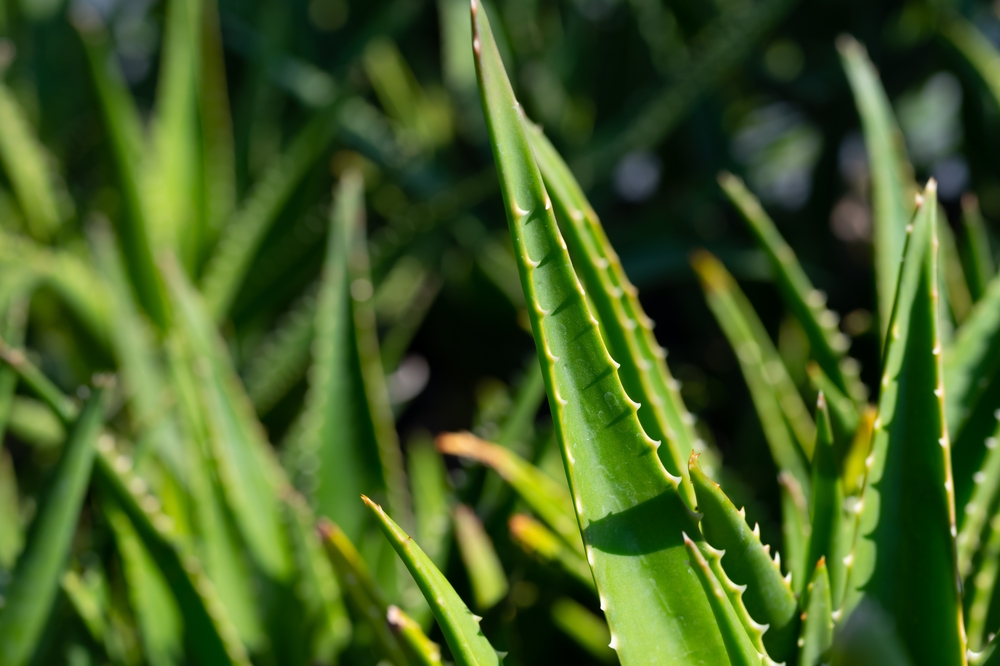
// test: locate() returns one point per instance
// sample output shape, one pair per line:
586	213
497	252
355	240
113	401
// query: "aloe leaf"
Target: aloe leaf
626	330
741	651
281	360
209	634
486	574
247	470
26	166
827	344
891	174
88	602
817	619
536	539
827	500
546	497
981	588
855	466
868	638
460	627
157	614
362	590
952	274
11	530
980	506
844	413
431	499
795	529
908	568
241	238
629	509
589	631
977	255
424	651
35	581
348	430
121	121
768	597
762	368
13	323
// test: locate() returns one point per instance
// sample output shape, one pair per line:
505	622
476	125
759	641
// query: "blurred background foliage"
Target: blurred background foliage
647	99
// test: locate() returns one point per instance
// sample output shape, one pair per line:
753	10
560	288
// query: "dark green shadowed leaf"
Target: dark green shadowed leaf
980	507
432	498
768	597
904	553
795	529
627	331
868	638
977	255
248	473
762	368
844	413
348	428
826	344
486	574
817	619
361	589
35	581
827	521
460	627
892	176
629	509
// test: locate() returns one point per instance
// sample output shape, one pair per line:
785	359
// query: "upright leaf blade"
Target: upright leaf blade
35	582
904	553
629	509
817	623
827	514
460	627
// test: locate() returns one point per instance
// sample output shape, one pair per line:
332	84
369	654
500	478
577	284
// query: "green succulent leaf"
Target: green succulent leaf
980	508
827	519
625	328
827	344
35	583
774	395
588	630
868	638
977	255
486	574
546	497
904	553
460	627
362	590
431	498
981	587
795	529
11	529
741	651
629	509
424	651
817	619
768	597
892	176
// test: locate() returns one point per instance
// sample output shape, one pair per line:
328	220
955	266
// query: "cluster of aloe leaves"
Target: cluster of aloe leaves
219	548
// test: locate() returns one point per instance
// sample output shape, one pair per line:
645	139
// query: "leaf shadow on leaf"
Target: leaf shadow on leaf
636	531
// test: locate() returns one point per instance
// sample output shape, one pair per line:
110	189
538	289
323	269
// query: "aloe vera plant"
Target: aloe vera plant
254	357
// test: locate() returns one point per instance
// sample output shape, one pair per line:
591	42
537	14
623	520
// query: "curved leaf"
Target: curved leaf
817	619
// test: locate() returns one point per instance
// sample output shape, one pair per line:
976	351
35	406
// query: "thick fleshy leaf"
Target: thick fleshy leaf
248	472
536	539
629	509
981	587
980	507
904	554
460	627
868	638
741	651
35	582
546	497
349	437
486	574
795	529
826	344
774	395
431	498
892	176
826	517
362	590
625	328
976	253
768	597
817	619
227	268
